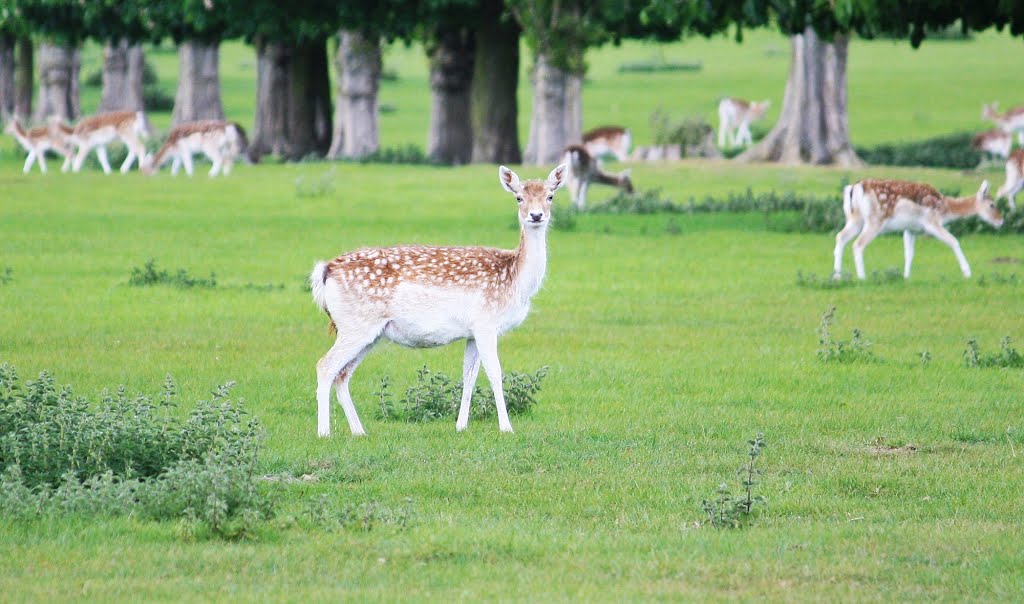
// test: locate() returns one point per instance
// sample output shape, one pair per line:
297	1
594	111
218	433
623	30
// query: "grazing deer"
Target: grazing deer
583	169
614	140
877	206
995	142
734	119
420	296
37	141
1014	179
98	131
1010	121
222	142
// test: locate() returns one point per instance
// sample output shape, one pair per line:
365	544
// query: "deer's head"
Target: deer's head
990	111
986	208
758	108
534	196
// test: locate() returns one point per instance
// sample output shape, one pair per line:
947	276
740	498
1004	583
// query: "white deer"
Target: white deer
1009	121
877	206
1014	178
37	141
614	140
584	169
734	119
420	296
994	142
98	131
222	142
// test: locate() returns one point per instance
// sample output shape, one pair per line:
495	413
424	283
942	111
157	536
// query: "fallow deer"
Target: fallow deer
1009	121
734	119
583	169
222	142
614	140
1014	178
37	141
98	131
995	142
876	206
421	296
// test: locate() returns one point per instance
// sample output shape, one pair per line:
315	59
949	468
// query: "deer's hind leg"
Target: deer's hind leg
353	343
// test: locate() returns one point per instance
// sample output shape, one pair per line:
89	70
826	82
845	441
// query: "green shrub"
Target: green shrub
155	98
690	131
949	151
831	350
7	275
409	154
659	64
1007	357
726	510
149	275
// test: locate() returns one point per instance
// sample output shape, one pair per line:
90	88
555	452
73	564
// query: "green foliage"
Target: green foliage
814	281
7	275
726	510
409	154
841	351
155	98
323	186
149	275
95	78
687	132
659	65
324	513
950	151
1007	357
435	396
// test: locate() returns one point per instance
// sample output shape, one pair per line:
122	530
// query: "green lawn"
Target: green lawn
667	351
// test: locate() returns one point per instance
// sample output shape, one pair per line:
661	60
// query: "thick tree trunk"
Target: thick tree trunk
23	78
122	76
813	123
293	104
6	77
556	120
58	82
198	94
355	125
493	106
450	136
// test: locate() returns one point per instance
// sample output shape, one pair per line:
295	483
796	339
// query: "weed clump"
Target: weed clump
7	275
732	511
149	275
435	396
324	513
63	454
1007	357
841	351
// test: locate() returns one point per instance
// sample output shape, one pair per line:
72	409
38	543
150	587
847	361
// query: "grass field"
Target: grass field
671	340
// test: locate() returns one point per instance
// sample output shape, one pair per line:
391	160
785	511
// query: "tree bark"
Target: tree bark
7	43
58	82
23	78
813	122
293	104
358	62
493	105
198	94
122	76
556	120
450	135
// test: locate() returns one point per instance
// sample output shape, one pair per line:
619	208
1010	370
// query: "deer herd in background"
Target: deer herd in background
220	141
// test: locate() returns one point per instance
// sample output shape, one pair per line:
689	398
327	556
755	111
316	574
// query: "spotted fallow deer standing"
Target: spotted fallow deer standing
1009	121
222	142
37	141
420	296
1014	178
734	119
584	169
98	131
877	206
613	140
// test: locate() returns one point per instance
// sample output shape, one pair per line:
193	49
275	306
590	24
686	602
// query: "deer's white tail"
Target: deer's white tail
317	283
848	201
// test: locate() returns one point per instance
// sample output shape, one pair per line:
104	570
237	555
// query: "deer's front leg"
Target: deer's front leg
470	371
487	345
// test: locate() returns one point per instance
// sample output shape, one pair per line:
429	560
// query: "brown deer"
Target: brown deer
98	131
222	142
734	119
877	206
614	140
420	296
37	141
584	169
1014	178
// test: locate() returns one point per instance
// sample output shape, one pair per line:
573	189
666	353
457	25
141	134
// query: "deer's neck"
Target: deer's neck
959	207
531	262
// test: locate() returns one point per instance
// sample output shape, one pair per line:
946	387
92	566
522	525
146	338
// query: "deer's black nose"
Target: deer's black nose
536	217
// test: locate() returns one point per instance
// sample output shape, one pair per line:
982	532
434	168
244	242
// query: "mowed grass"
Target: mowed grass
671	340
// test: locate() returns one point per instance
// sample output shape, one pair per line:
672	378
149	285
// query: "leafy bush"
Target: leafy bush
155	98
95	78
949	151
831	350
60	453
1007	357
659	64
7	275
409	154
149	275
435	395
688	132
729	511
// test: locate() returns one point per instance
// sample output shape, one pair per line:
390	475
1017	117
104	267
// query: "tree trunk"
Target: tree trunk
293	103
198	94
58	85
358	61
813	123
122	76
556	120
23	78
450	137
493	105
6	77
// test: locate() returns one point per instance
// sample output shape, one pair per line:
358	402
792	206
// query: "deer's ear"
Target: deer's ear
509	180
983	191
557	178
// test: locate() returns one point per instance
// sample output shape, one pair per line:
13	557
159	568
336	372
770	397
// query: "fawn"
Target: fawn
98	131
222	142
584	169
37	141
614	140
422	296
734	119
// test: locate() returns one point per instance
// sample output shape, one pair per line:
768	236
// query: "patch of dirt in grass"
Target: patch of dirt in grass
880	447
289	479
1007	260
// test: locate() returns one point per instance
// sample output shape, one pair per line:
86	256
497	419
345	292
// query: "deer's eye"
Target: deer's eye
550	197
519	199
